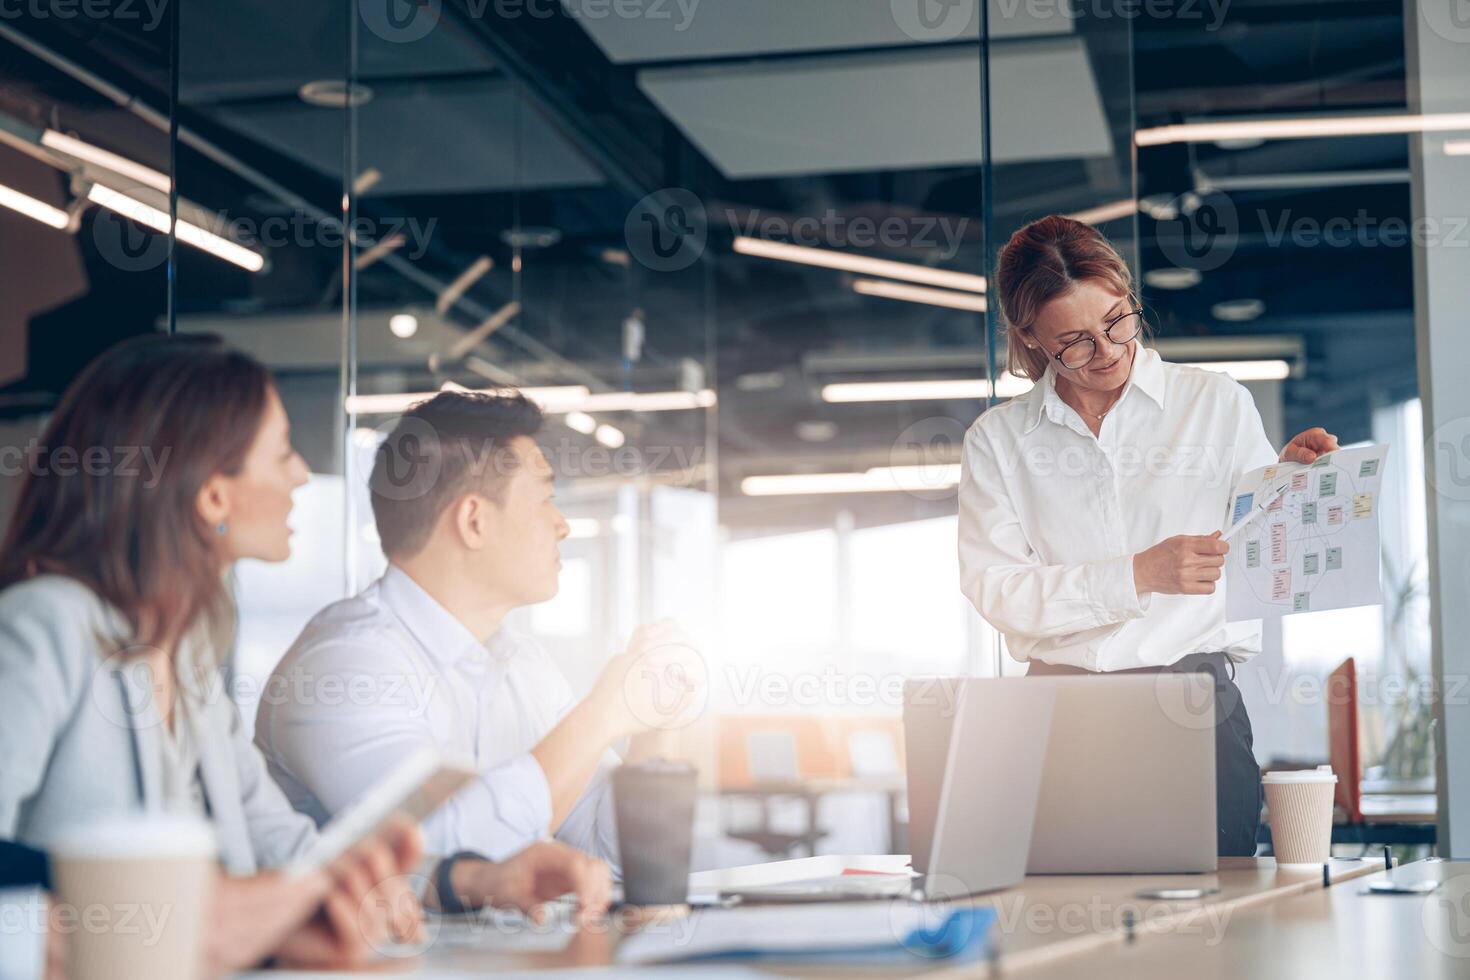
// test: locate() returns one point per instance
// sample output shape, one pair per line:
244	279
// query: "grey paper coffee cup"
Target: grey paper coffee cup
654	804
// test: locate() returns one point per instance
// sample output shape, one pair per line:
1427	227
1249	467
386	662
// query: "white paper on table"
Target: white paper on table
836	926
1304	538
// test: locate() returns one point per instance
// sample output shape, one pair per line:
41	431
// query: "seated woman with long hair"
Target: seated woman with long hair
167	461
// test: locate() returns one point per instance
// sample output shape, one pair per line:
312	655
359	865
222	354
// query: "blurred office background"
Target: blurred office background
738	247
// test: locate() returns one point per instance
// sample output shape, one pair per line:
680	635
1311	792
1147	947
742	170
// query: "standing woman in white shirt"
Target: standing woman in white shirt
1091	507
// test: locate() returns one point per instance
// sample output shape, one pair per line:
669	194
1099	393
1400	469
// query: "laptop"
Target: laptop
986	784
1128	781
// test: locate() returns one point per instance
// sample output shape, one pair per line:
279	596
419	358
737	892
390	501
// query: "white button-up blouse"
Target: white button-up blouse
1051	516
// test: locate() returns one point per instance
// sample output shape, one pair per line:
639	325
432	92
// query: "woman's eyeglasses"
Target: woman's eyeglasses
1080	353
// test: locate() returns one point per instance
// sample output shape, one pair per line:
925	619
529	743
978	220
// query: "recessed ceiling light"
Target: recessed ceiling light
1172	277
581	422
760	381
334	93
610	436
816	430
1238	310
1160	207
403	325
531	236
1244	143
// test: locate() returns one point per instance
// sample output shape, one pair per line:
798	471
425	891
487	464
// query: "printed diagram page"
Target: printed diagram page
1305	538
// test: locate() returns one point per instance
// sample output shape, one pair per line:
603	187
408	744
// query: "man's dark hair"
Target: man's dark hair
454	443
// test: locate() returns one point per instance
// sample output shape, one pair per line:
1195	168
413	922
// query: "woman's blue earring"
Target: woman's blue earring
221	528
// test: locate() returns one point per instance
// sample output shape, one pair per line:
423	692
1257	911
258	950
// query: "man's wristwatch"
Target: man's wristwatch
449	903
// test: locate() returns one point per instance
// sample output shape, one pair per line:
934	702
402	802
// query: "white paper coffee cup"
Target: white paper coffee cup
1300	806
132	894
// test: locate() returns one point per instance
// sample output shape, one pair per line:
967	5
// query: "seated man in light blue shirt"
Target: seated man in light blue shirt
462	499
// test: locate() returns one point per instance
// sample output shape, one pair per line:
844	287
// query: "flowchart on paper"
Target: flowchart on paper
1304	538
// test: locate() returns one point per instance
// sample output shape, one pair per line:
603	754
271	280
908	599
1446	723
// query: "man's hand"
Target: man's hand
660	683
526	881
1306	447
1187	564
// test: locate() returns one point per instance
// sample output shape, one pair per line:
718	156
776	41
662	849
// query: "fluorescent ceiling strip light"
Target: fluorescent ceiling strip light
1304	127
144	214
645	401
119	165
827	258
882	479
1264	370
1007	386
1106	212
554	401
920	294
32	208
1457	148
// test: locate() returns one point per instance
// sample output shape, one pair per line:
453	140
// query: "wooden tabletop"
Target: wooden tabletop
1042	925
1333	933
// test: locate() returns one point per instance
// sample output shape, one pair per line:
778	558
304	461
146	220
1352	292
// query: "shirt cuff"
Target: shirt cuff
1112	591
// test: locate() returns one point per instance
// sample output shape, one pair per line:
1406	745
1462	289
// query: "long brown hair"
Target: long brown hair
162	415
1044	260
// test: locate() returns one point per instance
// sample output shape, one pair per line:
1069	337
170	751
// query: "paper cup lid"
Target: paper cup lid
1322	774
135	836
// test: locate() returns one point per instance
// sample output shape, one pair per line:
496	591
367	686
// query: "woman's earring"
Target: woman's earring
221	528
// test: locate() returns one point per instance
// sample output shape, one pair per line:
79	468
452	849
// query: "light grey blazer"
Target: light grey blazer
77	739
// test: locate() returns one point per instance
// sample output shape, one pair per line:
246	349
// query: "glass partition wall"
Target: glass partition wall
740	253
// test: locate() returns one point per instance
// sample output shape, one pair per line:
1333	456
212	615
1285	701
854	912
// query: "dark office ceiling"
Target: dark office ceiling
486	125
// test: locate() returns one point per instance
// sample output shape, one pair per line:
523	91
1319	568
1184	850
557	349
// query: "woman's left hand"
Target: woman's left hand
1306	447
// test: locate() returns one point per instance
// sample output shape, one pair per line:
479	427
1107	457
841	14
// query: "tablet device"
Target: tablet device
415	788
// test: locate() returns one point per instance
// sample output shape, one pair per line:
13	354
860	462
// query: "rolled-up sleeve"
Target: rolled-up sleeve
1006	581
1253	448
336	748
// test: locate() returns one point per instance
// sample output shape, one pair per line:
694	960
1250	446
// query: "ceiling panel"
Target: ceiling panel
439	138
232	50
918	108
668	30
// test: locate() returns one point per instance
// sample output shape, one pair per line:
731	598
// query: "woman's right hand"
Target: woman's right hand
369	903
1186	564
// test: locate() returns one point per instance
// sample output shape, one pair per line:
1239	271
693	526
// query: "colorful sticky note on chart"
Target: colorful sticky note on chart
1309	563
1253	553
1278	543
1334	516
1299	480
1362	505
1327	484
1309	513
1369	467
1334	559
1280	585
1242	507
1301	602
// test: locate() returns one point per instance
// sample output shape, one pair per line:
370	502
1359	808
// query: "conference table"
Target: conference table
1263	920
